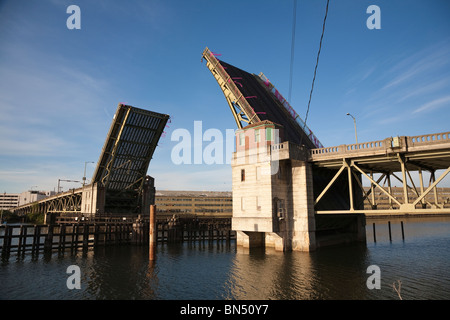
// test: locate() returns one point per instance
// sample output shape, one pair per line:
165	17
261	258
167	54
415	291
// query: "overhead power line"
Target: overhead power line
317	61
292	50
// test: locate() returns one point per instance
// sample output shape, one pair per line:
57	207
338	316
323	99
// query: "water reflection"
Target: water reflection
114	273
332	273
217	270
268	274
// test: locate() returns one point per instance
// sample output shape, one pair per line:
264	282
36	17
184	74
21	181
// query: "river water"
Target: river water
221	271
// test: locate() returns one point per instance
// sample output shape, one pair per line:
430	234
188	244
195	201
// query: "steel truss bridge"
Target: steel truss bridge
120	184
396	158
338	171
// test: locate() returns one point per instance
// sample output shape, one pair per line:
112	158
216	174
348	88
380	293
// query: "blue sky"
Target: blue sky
59	88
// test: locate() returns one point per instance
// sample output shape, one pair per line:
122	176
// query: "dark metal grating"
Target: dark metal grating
265	104
129	148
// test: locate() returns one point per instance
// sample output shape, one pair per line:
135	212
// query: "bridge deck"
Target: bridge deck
121	170
430	152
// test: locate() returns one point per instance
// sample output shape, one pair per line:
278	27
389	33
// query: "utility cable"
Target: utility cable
315	70
292	50
317	61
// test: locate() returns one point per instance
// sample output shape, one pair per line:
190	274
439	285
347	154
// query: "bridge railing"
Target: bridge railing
433	138
23	208
360	148
382	146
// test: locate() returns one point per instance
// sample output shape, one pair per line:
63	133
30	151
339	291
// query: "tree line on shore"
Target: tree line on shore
12	217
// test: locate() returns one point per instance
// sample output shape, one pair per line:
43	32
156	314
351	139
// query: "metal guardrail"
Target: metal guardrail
433	138
382	146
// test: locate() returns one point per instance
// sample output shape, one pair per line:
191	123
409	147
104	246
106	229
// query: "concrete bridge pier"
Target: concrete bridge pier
274	195
303	221
273	199
288	221
250	239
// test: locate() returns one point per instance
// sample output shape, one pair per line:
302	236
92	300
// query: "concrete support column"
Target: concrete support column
361	228
276	241
249	239
304	225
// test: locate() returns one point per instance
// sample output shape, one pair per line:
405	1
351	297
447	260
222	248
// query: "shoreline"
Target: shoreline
407	215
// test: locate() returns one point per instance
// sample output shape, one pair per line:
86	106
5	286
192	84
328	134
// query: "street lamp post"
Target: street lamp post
354	122
66	181
84	176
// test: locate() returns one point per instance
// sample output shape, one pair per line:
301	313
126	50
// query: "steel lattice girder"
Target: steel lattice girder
387	169
251	100
129	148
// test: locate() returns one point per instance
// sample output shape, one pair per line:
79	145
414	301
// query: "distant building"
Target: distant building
33	195
12	200
8	200
201	203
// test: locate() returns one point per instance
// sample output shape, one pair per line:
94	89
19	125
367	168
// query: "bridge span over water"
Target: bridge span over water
120	184
289	191
400	159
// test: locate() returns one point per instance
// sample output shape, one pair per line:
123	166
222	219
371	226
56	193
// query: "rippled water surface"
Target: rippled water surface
221	271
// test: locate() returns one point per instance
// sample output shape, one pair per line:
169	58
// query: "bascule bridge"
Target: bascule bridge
292	193
120	185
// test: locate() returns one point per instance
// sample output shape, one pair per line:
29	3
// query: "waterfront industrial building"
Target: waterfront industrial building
198	203
8	200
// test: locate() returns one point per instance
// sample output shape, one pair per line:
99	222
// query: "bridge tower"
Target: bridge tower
273	201
274	182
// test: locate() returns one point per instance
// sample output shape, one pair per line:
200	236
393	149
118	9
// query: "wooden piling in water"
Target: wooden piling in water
9	240
374	235
390	235
62	237
403	232
6	241
96	231
48	242
21	239
86	236
35	244
73	236
152	233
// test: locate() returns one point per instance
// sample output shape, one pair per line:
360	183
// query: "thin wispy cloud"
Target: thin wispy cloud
41	96
429	88
59	88
435	104
413	68
412	85
43	175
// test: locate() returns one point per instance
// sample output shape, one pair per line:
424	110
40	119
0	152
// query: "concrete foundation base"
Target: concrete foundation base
300	242
331	230
250	239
